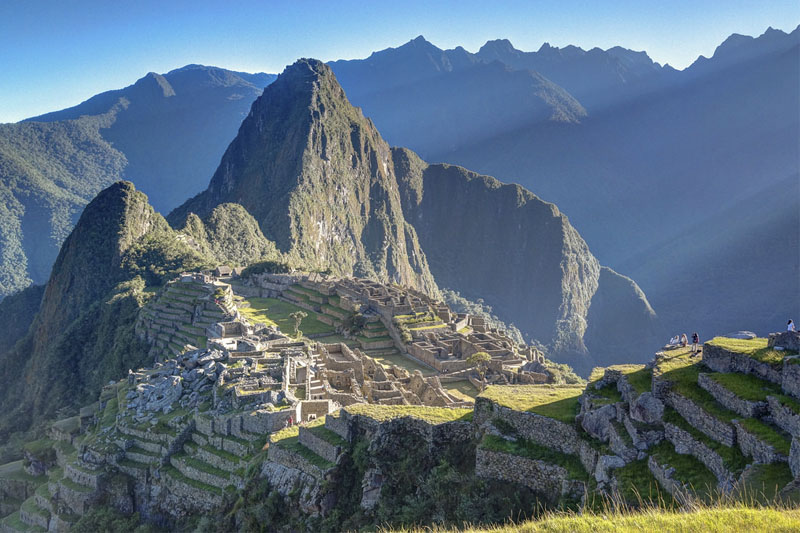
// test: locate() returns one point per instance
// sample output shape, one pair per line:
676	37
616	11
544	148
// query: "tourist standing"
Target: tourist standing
695	342
684	340
790	325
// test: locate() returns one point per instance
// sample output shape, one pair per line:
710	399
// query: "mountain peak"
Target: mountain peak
318	178
154	85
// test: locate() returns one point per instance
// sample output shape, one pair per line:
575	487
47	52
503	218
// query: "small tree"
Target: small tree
480	360
298	317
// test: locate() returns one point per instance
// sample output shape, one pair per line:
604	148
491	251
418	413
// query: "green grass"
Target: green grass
531	450
683	374
641	380
764	482
434	415
553	401
273	312
16	471
719	518
462	389
202	466
67	482
755	348
688	469
767	434
606	395
233	458
30	507
404	362
293	444
746	386
328	436
424	328
732	457
15	522
176	474
637	485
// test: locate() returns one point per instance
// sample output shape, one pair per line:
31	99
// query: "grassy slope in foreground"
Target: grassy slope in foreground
711	520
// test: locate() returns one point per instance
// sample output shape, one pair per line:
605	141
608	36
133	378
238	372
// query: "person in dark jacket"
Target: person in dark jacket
695	342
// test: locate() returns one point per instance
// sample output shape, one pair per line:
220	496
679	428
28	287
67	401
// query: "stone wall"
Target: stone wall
696	416
686	444
784	416
752	446
788	340
722	360
182	498
727	398
315	409
790	376
320	446
544	478
339	425
540	429
794	458
663	474
289	459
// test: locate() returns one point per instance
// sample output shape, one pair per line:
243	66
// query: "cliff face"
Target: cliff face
500	242
318	178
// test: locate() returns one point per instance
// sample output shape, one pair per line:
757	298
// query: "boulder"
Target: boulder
597	422
646	408
741	335
604	465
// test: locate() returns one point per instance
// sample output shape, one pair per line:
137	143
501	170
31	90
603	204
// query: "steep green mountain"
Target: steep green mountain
318	178
82	335
500	242
230	235
327	189
165	133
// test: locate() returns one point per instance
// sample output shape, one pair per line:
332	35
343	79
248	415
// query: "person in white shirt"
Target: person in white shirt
790	325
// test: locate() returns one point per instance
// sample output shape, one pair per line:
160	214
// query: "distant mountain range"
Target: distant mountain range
659	163
669	175
166	133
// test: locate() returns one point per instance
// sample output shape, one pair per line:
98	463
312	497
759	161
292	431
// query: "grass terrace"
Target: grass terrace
273	312
637	486
747	386
782	443
328	436
433	415
688	469
531	450
463	390
732	458
755	348
16	471
402	361
763	483
560	402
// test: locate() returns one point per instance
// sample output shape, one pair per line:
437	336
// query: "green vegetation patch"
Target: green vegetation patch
202	466
16	471
683	374
433	415
274	312
30	507
688	468
293	444
732	457
560	402
763	483
606	395
746	386
531	450
636	485
768	434
67	482
397	359
641	380
174	473
462	389
755	348
328	436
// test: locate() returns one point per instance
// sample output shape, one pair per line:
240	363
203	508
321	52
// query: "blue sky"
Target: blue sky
54	54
